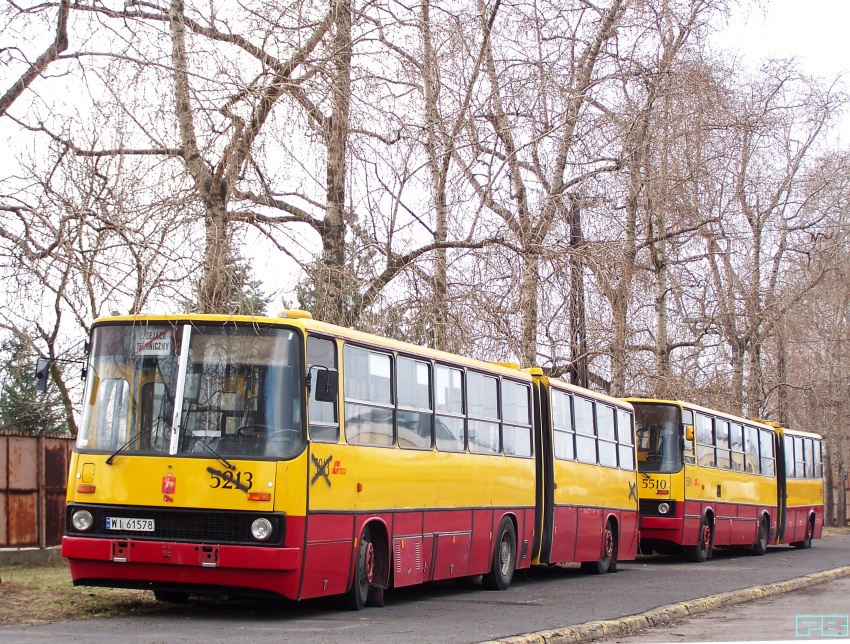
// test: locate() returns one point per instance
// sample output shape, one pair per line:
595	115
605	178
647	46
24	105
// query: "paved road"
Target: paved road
818	612
545	598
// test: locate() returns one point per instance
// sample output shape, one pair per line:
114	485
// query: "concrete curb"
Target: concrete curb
29	556
665	614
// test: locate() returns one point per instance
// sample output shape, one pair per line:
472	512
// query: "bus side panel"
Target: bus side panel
693	517
723	518
482	530
330	539
628	538
589	534
746	527
452	531
564	534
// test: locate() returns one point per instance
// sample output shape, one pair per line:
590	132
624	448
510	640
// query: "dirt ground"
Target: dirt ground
35	594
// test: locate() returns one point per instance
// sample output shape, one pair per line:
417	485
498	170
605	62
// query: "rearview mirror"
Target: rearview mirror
41	372
327	385
689	432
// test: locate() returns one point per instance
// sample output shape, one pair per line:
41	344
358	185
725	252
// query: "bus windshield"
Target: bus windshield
659	437
238	391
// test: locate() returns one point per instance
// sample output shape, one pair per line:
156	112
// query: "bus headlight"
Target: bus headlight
663	508
261	529
82	520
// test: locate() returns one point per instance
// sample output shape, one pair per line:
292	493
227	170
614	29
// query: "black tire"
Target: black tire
504	558
171	596
806	543
364	570
608	561
760	546
702	550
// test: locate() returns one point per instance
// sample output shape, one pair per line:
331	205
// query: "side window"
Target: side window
516	418
483	402
562	424
721	442
324	421
607	435
736	441
789	457
585	434
688	419
625	439
450	424
817	460
413	391
799	459
368	397
808	446
751	450
768	465
705	441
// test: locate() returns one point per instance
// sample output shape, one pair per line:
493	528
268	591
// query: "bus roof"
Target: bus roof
303	320
705	410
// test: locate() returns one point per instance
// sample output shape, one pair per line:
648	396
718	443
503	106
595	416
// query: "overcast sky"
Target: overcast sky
813	31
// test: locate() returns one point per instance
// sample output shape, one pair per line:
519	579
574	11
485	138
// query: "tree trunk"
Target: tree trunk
331	281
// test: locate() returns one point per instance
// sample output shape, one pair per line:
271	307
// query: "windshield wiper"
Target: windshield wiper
209	448
124	447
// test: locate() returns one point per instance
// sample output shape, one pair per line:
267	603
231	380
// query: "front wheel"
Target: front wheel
702	550
364	572
608	561
504	558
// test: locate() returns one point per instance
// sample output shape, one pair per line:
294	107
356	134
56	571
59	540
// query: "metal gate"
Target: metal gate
33	476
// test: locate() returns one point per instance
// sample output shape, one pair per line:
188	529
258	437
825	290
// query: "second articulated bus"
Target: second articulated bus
236	455
710	479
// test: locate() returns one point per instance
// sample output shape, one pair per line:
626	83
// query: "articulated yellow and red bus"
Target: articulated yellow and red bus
710	479
285	456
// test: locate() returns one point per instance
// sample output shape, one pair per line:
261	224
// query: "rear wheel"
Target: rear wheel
701	551
760	546
806	543
364	572
504	558
608	561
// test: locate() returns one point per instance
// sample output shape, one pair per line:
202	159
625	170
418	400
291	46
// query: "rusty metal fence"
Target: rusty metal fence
33	476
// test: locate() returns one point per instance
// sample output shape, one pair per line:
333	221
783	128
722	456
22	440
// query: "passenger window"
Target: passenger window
414	418
368	397
516	418
705	441
324	421
607	435
625	440
483	401
751	447
817	460
810	458
585	434
768	466
721	442
450	424
736	441
562	424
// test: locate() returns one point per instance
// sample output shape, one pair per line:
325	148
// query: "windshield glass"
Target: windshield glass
241	391
659	437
